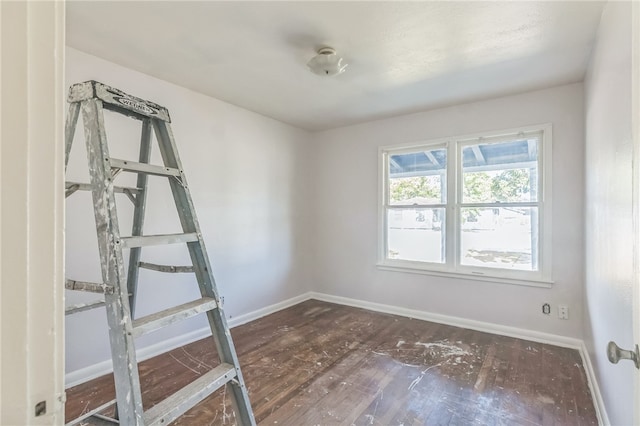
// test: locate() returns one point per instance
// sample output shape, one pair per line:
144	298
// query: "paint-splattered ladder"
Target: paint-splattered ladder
92	98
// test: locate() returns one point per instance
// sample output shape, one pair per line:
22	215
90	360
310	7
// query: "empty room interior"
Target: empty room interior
325	213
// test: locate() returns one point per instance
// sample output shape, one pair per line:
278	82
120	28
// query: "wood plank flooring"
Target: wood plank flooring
318	363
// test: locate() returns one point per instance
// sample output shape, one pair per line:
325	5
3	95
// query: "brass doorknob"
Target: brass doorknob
615	354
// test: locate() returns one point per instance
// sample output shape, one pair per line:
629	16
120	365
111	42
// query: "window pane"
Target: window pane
416	234
418	177
505	238
500	172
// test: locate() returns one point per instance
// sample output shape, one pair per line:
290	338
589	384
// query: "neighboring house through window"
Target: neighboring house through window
476	205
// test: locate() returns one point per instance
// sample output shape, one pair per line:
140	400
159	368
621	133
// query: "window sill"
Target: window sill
541	283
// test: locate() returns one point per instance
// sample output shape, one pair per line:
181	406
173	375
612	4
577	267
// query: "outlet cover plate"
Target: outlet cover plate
563	312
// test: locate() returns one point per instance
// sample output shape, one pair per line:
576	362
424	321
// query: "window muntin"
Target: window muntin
490	195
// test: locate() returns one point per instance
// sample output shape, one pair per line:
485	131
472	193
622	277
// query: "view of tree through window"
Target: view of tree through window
426	187
509	185
505	186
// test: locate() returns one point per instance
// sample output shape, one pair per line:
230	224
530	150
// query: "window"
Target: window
475	205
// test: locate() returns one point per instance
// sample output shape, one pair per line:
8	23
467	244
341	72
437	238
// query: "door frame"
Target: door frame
32	212
635	123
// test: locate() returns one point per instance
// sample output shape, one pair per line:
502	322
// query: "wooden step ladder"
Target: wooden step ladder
92	98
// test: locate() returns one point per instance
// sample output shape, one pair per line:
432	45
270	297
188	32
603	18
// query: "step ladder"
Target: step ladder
91	99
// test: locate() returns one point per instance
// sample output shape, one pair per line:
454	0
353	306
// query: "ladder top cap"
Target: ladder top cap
117	100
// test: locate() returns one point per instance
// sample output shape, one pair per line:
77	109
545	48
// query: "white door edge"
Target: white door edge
635	122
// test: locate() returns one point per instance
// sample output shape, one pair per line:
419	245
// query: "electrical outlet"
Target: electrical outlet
546	309
221	301
563	312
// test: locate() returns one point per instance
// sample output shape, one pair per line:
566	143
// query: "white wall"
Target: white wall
608	224
346	213
248	177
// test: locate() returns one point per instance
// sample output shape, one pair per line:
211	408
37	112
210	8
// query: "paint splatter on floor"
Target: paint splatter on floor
324	364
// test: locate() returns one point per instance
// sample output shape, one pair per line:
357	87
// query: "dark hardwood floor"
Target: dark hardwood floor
318	363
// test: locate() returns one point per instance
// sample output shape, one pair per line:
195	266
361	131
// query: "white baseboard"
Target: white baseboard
267	310
598	401
503	330
105	367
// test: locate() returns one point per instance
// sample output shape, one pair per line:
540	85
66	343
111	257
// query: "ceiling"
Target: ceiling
403	56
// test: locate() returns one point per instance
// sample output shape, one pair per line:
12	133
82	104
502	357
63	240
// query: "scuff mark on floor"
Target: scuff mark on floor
545	399
395	360
184	365
417	380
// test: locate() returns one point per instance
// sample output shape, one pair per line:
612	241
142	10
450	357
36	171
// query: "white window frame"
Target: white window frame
452	266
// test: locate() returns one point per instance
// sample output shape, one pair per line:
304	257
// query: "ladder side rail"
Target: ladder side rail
138	216
185	208
70	130
204	275
125	367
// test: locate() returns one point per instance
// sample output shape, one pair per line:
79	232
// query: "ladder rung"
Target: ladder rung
165	268
150	169
72	187
80	307
169	316
85	416
87	286
190	395
100	420
157	240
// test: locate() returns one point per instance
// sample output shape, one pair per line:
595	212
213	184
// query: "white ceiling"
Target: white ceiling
403	56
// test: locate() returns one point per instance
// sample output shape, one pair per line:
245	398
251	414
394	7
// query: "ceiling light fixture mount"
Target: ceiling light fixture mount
326	63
